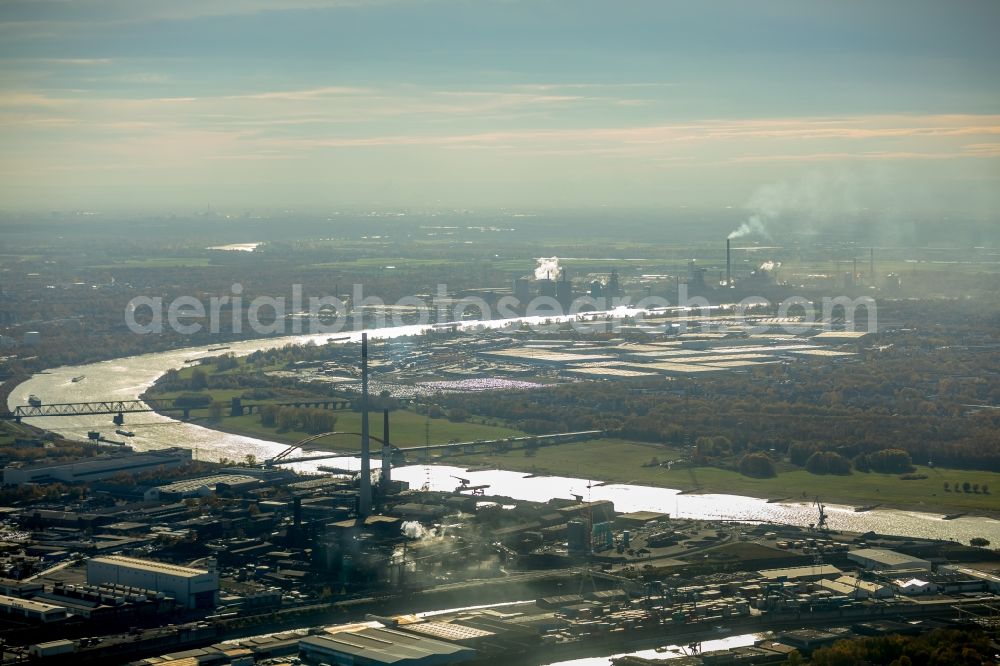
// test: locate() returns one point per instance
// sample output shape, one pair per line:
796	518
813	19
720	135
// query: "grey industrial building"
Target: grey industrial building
811	572
991	581
192	588
94	469
201	487
37	611
882	559
376	646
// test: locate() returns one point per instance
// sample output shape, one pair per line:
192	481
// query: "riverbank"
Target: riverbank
617	461
407	428
627	462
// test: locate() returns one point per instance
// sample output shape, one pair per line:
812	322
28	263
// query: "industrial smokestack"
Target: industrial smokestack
729	265
365	491
871	267
386	454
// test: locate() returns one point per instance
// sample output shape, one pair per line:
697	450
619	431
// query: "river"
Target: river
127	378
669	651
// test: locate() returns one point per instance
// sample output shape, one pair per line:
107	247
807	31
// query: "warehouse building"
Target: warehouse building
34	611
812	572
835	337
375	646
881	559
202	487
866	589
914	586
97	468
192	588
991	581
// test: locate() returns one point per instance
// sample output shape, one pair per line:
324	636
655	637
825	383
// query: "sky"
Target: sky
331	104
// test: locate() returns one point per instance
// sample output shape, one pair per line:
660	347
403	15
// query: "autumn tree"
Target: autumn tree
757	465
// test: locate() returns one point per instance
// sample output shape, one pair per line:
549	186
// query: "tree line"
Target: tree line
903	404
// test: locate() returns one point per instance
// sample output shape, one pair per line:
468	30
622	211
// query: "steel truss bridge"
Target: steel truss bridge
237	408
90	409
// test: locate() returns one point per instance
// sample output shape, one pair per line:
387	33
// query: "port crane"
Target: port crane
821	521
476	490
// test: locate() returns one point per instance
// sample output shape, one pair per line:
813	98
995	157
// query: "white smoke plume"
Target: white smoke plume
770	265
547	269
413	530
814	200
753	225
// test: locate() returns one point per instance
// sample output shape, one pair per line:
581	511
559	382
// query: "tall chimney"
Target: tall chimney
871	267
386	454
365	490
729	266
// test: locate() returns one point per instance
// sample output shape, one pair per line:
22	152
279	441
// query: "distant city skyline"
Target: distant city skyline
832	107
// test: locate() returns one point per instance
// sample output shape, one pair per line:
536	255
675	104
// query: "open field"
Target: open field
9	431
407	429
621	461
160	262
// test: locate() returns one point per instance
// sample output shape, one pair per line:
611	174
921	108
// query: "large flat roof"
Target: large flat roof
28	604
866	585
644	516
821	352
82	466
836	586
530	354
675	368
150	565
741	363
766	349
666	353
840	335
726	356
884	556
449	631
643	347
621	373
188	485
801	572
388	646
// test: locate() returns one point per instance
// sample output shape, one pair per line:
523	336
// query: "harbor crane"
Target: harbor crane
821	521
476	490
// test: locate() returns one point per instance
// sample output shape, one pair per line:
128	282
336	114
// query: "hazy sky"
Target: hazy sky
248	104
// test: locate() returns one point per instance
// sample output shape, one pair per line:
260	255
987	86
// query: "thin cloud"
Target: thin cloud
76	61
301	95
61	14
836	157
15	98
795	129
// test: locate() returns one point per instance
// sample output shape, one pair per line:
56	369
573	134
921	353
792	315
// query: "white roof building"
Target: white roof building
912	586
881	559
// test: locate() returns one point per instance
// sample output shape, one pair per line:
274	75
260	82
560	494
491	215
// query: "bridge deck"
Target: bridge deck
89	408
